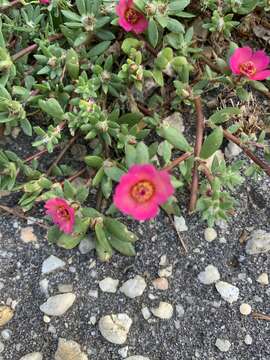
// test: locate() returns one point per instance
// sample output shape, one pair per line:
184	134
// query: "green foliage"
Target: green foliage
67	70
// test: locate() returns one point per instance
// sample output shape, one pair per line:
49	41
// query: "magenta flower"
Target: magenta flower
250	64
61	213
141	191
45	2
129	18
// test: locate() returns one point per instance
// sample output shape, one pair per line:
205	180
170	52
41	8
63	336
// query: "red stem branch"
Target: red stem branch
264	165
197	150
178	161
33	47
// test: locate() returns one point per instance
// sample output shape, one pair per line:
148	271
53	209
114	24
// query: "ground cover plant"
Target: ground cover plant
113	78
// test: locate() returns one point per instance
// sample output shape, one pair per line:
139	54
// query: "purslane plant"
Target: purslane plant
111	78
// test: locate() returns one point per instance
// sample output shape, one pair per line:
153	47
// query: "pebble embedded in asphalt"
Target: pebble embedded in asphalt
209	276
109	285
115	327
134	287
52	263
210	234
245	309
223	345
163	311
58	305
228	292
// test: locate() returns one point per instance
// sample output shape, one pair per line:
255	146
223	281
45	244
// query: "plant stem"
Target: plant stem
197	150
264	165
259	316
178	161
76	175
62	153
33	47
21	216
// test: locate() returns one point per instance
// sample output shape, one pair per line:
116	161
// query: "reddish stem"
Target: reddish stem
197	150
264	165
178	161
33	47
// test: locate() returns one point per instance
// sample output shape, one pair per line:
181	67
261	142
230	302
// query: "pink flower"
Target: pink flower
45	2
62	214
251	64
129	18
142	190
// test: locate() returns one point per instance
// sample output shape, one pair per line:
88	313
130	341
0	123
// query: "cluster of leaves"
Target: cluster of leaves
69	70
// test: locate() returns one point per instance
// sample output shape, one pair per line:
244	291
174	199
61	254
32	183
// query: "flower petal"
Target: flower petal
260	60
261	75
240	56
145	211
141	25
164	188
124	24
121	8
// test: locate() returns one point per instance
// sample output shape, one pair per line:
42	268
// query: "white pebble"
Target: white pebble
210	234
227	291
163	311
223	345
108	285
166	272
248	340
146	313
134	287
52	263
245	309
209	276
180	223
263	279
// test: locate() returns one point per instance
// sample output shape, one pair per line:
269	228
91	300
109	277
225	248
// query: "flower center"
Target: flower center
63	213
142	191
248	68
132	16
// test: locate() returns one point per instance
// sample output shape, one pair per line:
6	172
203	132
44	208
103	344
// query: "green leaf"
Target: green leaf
142	154
26	126
54	234
175	137
81	39
158	77
52	108
212	143
224	115
99	49
130	43
153	33
113	172
93	161
130	118
69	190
72	64
175	26
130	152
178	5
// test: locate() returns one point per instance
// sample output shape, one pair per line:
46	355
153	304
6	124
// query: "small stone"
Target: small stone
115	328
209	276
86	245
93	320
6	334
163	311
44	287
163	260
245	309
108	285
65	288
137	357
123	352
6	314
46	319
32	356
2	347
134	287
161	284
27	235
93	293
258	242
146	313
223	345
180	310
210	234
69	350
227	291
232	150
248	340
52	263
166	272
57	305
180	223
263	279
176	121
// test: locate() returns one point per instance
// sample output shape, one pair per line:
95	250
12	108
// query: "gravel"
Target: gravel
52	263
115	328
134	287
163	311
58	305
209	276
228	292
